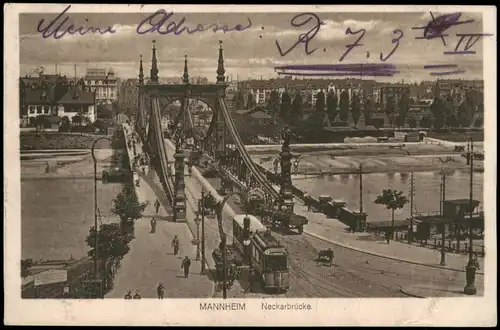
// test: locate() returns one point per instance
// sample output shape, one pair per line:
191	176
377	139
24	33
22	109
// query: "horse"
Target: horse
326	255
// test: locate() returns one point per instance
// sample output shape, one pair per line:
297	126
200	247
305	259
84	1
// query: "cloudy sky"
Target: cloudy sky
248	54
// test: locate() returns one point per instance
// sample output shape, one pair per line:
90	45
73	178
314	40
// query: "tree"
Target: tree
65	124
392	200
426	122
465	112
452	121
355	108
344	106
320	101
296	113
331	105
403	108
237	99
437	110
368	108
250	102
285	107
390	109
412	122
274	103
104	112
112	247
25	267
127	206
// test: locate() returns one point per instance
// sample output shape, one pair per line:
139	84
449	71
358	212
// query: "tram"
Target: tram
265	255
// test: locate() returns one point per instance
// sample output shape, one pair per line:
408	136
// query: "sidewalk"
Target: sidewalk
432	291
150	259
336	232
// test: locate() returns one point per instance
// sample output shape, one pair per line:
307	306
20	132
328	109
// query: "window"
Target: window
45	109
32	109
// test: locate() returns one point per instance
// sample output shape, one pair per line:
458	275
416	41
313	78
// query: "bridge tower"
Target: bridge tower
153	98
286	192
220	131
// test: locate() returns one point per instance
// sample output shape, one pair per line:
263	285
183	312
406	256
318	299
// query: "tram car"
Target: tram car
267	257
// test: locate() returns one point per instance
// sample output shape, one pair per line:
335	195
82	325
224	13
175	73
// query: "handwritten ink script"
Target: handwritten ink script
435	28
161	22
56	29
166	25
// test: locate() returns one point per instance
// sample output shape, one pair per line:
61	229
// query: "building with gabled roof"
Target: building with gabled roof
77	102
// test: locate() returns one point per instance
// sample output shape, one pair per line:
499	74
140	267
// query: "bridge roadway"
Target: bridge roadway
354	274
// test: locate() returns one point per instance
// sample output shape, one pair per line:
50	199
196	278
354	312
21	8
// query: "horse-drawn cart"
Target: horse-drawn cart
326	256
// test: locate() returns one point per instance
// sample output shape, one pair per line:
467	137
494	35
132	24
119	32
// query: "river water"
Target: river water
426	187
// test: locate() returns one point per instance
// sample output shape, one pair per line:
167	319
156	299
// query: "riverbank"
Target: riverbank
322	164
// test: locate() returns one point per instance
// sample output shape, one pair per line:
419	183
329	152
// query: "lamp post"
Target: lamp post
441	207
201	206
96	248
197	221
470	271
220	207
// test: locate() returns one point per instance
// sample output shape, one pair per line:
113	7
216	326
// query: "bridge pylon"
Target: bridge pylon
286	192
179	199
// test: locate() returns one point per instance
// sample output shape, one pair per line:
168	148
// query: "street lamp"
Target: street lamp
197	241
442	197
220	207
470	271
96	249
201	208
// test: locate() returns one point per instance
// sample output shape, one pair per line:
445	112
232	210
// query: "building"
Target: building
262	118
104	84
128	95
77	102
395	91
458	88
40	101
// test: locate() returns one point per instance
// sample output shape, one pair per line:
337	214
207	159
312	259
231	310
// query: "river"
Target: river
426	187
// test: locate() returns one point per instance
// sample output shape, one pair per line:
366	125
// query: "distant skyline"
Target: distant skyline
249	54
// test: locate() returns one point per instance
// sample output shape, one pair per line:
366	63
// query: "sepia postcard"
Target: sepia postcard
250	165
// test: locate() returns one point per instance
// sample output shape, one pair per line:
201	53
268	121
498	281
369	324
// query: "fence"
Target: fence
450	245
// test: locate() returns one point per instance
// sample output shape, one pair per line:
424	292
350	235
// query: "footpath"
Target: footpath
151	260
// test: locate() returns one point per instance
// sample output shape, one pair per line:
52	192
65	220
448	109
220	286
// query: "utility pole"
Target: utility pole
412	191
56	68
470	288
360	188
443	192
75	69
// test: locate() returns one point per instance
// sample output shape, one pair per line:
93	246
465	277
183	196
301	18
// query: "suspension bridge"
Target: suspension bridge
221	142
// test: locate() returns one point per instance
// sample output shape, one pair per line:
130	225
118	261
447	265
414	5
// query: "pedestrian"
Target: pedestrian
387	236
153	225
137	295
190	170
175	245
128	295
157	205
186	263
160	291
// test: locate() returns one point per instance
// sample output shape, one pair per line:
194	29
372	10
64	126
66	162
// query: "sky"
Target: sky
249	54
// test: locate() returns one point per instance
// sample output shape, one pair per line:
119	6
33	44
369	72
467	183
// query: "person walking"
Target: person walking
128	295
175	245
153	225
160	290
137	295
186	263
157	205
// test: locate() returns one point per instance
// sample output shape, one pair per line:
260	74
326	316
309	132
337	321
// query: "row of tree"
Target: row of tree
114	238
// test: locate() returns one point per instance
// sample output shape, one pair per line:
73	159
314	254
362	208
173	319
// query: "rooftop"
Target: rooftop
76	96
